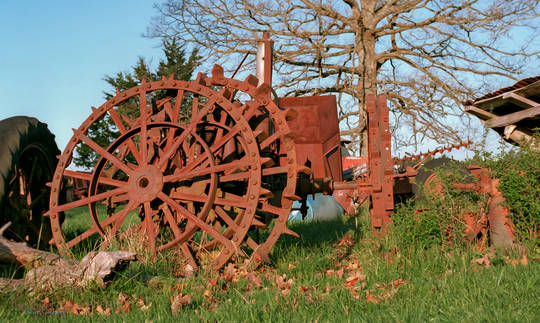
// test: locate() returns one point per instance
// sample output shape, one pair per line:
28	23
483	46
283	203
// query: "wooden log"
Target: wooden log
49	270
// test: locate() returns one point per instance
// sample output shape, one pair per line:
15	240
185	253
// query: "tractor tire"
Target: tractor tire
27	163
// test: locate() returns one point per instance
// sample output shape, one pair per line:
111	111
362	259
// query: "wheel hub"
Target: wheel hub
145	184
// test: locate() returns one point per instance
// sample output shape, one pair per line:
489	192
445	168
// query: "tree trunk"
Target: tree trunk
367	76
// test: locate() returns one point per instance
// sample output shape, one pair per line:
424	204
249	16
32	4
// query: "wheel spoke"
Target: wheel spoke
169	139
123	130
187	253
143	120
214	148
275	170
269	140
95	229
195	107
30	181
177	105
87	200
149	225
193	218
172	223
225	217
174	147
203	198
119	217
205	171
105	154
234	177
88	177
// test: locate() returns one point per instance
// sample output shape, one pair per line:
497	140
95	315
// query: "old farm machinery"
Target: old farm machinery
202	184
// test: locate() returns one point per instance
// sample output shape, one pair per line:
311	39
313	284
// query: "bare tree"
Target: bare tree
428	56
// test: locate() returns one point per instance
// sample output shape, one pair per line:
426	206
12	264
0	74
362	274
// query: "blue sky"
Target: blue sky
54	55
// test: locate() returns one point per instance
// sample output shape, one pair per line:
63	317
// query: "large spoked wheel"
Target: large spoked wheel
276	145
197	184
27	161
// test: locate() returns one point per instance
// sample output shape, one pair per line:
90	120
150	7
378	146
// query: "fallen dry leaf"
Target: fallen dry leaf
74	308
346	241
291	266
372	299
281	283
189	270
524	261
303	289
352	265
101	311
398	282
230	273
254	279
126	307
393	285
178	301
123	303
207	294
67	307
122	298
353	279
350	282
482	261
143	306
213	282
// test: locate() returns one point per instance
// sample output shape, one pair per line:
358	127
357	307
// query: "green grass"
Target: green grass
441	284
78	220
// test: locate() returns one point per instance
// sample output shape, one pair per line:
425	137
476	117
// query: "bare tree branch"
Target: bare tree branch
428	56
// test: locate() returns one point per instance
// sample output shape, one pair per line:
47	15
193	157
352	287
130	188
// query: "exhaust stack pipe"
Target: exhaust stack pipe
264	59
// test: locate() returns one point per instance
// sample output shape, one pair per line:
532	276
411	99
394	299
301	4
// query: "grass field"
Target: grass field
422	270
327	275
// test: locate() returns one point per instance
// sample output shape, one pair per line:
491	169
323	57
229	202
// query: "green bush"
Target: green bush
437	218
519	174
442	221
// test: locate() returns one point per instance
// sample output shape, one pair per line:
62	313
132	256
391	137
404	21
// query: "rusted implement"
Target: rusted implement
200	164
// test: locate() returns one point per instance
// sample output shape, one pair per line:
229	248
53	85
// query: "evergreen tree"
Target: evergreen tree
104	131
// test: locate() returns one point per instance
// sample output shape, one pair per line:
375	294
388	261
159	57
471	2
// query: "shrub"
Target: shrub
438	218
519	174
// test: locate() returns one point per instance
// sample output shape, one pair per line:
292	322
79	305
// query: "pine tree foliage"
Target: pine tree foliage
176	62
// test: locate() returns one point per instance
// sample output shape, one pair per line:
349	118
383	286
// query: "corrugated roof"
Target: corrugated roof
518	85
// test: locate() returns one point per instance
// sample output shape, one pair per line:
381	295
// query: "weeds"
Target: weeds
519	174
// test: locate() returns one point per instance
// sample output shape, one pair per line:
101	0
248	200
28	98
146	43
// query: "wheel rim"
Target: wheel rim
137	142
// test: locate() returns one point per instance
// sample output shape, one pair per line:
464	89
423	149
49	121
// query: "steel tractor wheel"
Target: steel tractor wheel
27	161
199	185
428	184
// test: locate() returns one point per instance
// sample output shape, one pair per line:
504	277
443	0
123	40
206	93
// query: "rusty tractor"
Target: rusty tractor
236	165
